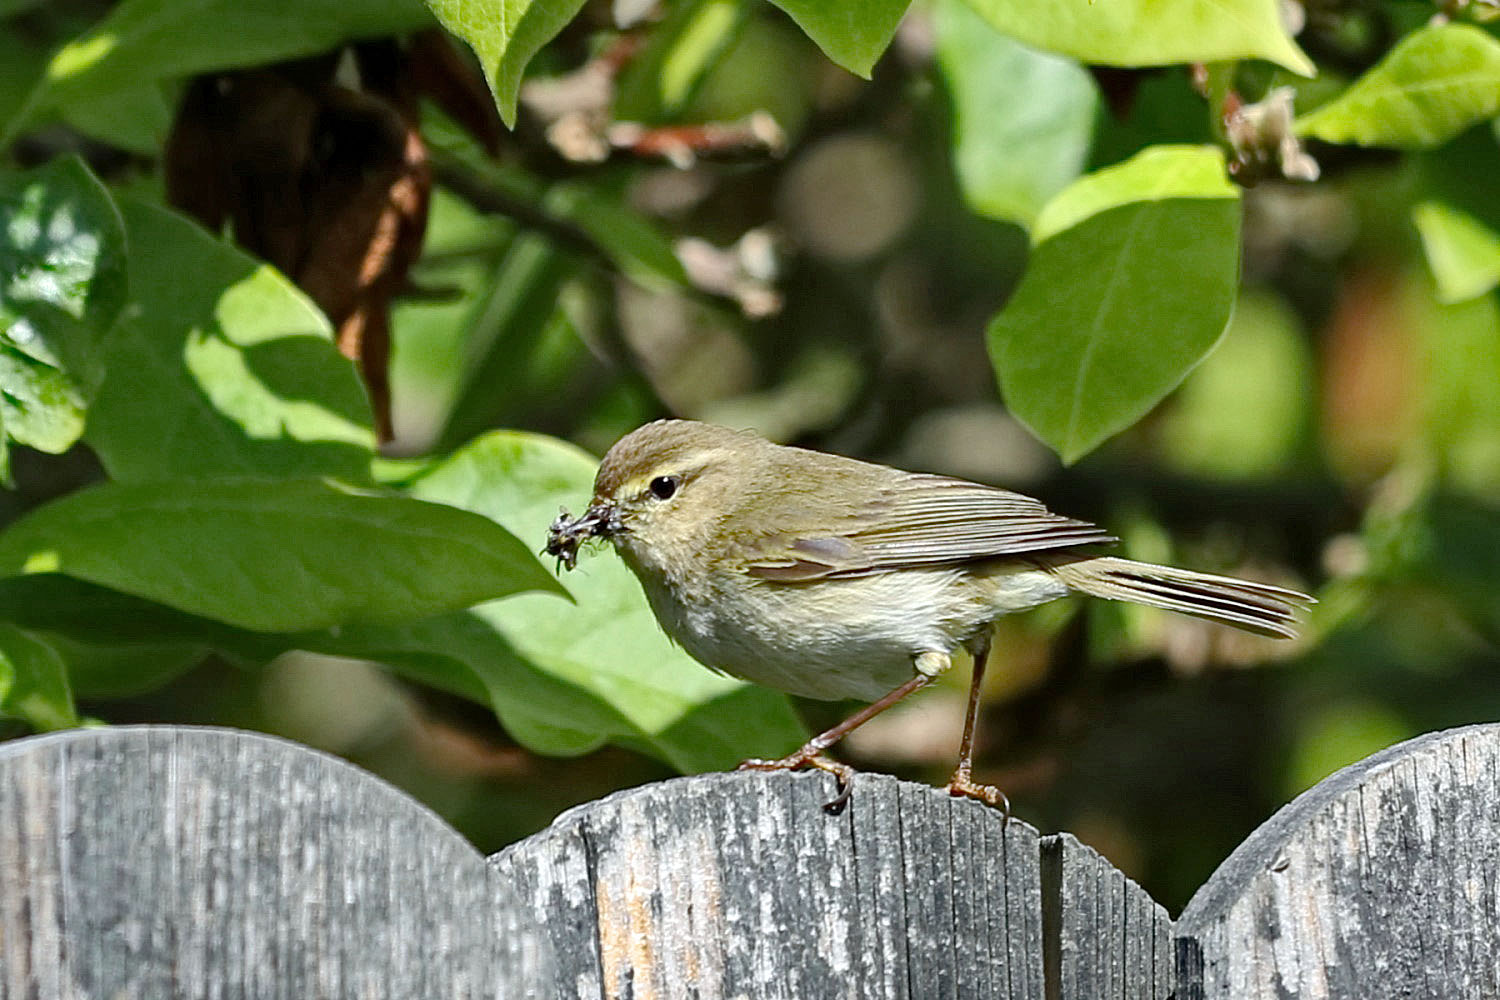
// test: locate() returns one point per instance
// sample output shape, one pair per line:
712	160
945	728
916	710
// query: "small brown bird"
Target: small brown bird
832	578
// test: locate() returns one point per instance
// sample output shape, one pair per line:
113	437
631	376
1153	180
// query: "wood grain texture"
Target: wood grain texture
155	862
1382	881
741	885
1107	939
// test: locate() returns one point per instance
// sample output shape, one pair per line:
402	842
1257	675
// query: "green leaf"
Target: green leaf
62	282
679	53
1463	252
1243	413
1022	119
106	670
1149	32
92	615
1100	328
515	319
145	42
565	677
641	251
1437	82
34	681
853	33
1460	345
505	34
274	555
222	368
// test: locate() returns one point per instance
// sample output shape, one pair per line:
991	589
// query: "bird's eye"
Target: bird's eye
664	487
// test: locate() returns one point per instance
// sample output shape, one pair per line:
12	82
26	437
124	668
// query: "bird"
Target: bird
833	578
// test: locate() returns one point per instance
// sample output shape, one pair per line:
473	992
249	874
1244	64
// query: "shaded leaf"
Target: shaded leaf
274	555
1100	329
679	53
62	282
853	33
233	373
144	42
515	318
505	34
96	616
564	678
107	670
1463	253
1437	82
1022	119
1149	32
34	681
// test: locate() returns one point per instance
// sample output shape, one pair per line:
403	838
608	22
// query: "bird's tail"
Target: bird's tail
1254	607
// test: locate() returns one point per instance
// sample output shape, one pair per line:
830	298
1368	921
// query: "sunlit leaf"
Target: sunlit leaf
562	677
34	681
1022	119
62	282
1463	253
1100	328
222	368
505	34
1437	82
274	555
1460	345
1243	412
1149	32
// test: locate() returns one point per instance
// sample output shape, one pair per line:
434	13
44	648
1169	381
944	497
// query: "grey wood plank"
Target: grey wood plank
1382	881
160	862
1108	938
741	885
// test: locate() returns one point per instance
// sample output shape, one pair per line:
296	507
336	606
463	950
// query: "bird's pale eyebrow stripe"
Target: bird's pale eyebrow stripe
686	466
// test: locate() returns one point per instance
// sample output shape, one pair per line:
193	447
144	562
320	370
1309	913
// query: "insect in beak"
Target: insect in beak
568	533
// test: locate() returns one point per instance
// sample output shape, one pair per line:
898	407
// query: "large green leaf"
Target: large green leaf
222	368
1022	119
141	43
34	681
1432	86
1149	32
274	555
505	34
566	677
1130	284
853	33
1463	252
62	282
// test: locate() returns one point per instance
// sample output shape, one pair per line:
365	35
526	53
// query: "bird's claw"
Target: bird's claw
842	773
962	786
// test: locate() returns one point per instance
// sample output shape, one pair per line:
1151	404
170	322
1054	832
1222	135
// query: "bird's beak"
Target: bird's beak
567	533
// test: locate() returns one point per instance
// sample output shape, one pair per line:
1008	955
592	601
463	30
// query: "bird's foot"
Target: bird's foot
962	786
842	773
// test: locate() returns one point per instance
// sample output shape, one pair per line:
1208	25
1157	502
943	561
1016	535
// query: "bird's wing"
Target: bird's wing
920	520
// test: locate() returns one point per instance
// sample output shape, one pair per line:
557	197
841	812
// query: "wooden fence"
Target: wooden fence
155	862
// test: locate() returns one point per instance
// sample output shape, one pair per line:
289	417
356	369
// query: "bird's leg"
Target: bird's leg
928	665
961	784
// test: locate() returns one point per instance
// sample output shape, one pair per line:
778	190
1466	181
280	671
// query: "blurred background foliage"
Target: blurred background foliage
301	348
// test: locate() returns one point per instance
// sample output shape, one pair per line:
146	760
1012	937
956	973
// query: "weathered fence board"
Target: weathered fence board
1382	881
178	862
711	885
171	862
